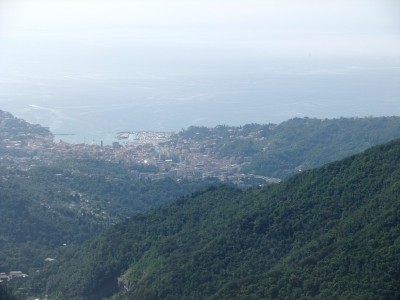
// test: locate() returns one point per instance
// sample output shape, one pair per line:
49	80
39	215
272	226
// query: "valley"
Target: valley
144	207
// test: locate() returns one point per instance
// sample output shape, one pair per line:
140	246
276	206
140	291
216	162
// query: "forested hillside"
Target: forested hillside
67	202
328	233
218	243
18	129
6	294
280	150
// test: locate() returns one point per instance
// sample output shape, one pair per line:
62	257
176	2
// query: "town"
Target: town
151	155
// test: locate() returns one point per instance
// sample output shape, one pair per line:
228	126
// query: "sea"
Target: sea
90	107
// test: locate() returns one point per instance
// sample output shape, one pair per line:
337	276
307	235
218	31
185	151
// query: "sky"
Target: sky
93	68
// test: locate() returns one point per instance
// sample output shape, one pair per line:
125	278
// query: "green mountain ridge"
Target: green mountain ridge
280	150
328	233
18	129
266	150
47	201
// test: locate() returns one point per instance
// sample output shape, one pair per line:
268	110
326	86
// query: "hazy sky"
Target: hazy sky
170	64
290	28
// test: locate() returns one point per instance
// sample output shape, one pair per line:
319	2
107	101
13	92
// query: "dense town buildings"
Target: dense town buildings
152	155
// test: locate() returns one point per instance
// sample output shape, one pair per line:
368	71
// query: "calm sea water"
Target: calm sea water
94	106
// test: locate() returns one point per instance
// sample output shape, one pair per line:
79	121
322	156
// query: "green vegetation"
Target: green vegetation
298	144
18	129
329	233
67	203
6	293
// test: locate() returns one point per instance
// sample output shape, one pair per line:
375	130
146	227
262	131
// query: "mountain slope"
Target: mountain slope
333	232
280	150
18	129
6	294
67	203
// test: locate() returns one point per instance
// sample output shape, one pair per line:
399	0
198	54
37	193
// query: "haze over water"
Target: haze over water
93	70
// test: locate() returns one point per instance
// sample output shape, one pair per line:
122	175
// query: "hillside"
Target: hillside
67	202
280	150
6	294
249	155
327	233
19	130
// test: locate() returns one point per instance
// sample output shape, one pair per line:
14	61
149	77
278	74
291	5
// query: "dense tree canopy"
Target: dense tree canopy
327	233
68	202
297	144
